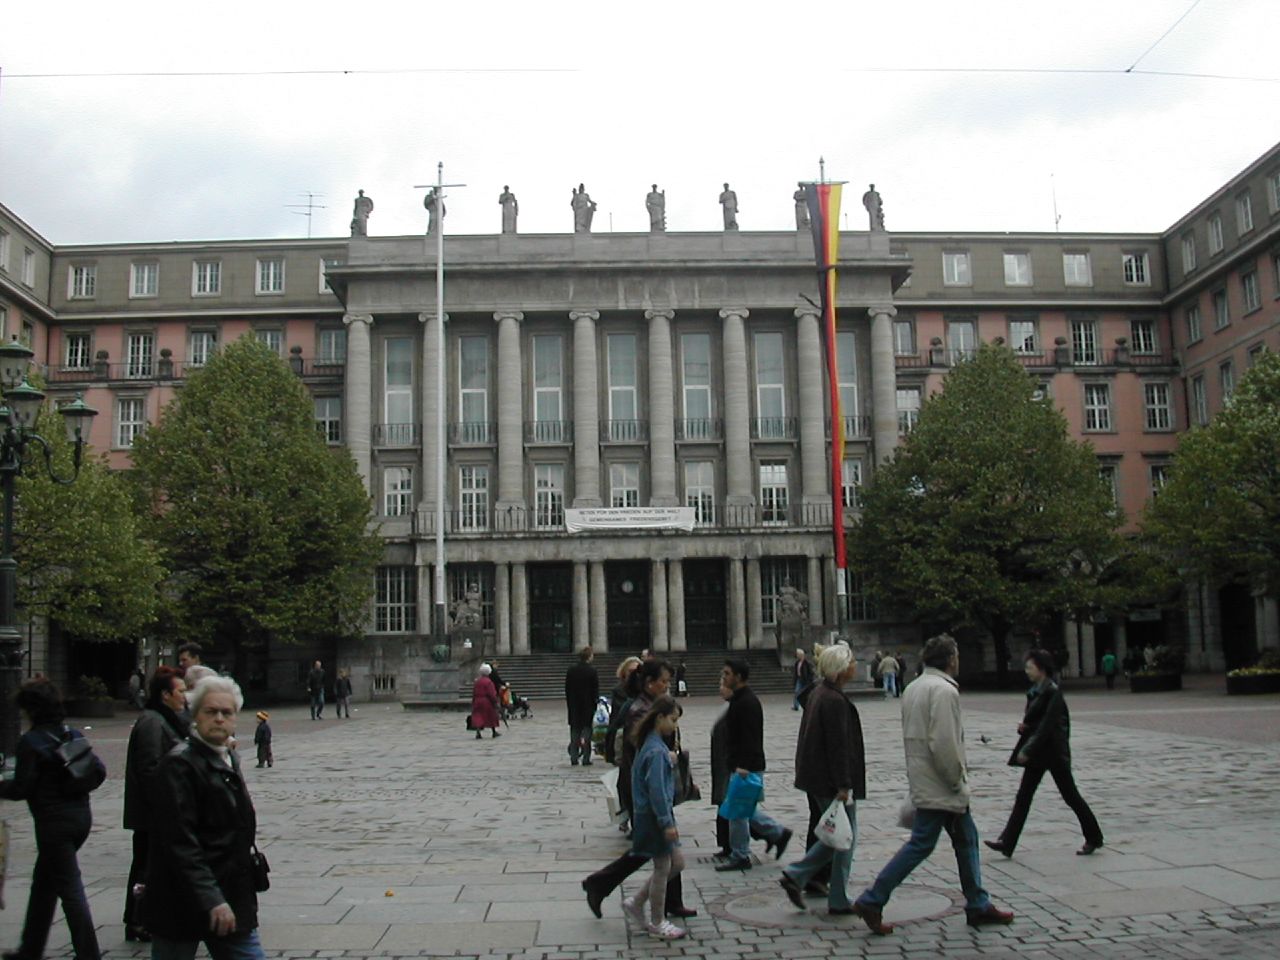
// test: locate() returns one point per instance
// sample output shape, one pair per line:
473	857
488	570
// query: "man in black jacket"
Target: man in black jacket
315	689
581	690
744	744
200	886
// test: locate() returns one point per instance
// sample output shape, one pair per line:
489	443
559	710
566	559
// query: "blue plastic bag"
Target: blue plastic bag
741	796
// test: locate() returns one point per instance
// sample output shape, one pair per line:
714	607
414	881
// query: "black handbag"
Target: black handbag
82	771
261	869
686	789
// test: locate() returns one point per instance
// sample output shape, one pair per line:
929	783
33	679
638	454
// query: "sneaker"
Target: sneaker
631	910
666	930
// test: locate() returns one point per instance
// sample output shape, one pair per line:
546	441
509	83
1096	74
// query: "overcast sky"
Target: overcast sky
688	94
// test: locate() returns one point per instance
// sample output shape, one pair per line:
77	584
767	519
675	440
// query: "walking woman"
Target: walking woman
161	727
62	823
484	703
654	832
1044	746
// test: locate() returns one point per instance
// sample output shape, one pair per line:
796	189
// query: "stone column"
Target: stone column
662	445
737	606
815	589
426	605
502	607
1120	637
519	610
755	626
510	413
832	596
884	382
813	438
737	409
658	605
430	383
675	604
357	401
581	609
586	410
599	633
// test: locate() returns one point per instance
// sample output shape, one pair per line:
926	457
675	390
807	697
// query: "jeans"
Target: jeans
820	857
580	744
344	703
795	700
1066	783
928	825
57	877
890	685
317	705
741	831
241	945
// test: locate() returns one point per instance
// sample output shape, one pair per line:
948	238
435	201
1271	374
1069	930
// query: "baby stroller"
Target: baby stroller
513	704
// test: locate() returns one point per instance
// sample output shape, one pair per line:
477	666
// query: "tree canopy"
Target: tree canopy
1219	513
988	515
265	529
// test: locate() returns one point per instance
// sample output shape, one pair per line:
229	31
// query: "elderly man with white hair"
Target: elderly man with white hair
203	878
830	765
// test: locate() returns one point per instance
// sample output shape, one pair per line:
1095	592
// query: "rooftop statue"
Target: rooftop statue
729	204
510	210
656	204
875	209
360	215
584	208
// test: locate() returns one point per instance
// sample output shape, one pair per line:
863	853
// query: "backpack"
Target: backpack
82	771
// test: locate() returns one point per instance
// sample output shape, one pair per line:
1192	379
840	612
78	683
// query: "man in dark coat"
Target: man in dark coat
315	688
200	885
744	750
581	690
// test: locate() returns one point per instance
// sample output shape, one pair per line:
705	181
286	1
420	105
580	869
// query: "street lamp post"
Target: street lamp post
20	447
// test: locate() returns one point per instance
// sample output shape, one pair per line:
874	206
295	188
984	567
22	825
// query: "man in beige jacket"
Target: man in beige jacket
933	736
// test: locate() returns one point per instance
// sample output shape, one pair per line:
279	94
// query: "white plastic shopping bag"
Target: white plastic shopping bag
610	782
834	828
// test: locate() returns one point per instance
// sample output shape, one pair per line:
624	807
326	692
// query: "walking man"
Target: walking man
802	673
889	675
744	743
1109	666
581	690
315	687
933	737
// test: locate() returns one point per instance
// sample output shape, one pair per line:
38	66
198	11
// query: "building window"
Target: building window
775	574
1097	406
1017	269
327	264
28	336
904	338
1226	380
329	418
1249	291
272	339
847	374
1273	191
773	493
548	409
1221	312
1159	411
397	400
1255	354
473	497
331	347
1199	401
700	491
962	341
28	266
695	366
201	346
1158	474
131	418
1022	336
84	282
395	602
1142	336
77	355
859	607
473	390
771	402
139	351
144	279
1244	214
4	250
1215	234
1076	271
1188	253
469	582
850	481
1084	342
624	415
1135	269
397	491
908	408
548	492
624	484
1107	474
1194	331
4	321
955	269
206	278
270	276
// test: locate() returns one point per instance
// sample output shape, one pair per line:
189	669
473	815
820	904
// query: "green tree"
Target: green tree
1219	514
266	530
988	515
82	557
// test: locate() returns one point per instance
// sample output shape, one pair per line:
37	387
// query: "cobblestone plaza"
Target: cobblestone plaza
397	834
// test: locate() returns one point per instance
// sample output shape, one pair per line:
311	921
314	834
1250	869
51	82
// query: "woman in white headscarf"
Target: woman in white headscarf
484	703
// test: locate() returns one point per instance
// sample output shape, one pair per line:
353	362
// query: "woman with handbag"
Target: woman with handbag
484	703
654	831
62	821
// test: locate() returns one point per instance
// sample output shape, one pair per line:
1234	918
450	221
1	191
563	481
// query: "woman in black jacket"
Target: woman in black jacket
1044	744
161	727
62	821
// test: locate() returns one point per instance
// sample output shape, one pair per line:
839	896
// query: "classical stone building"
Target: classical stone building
667	369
